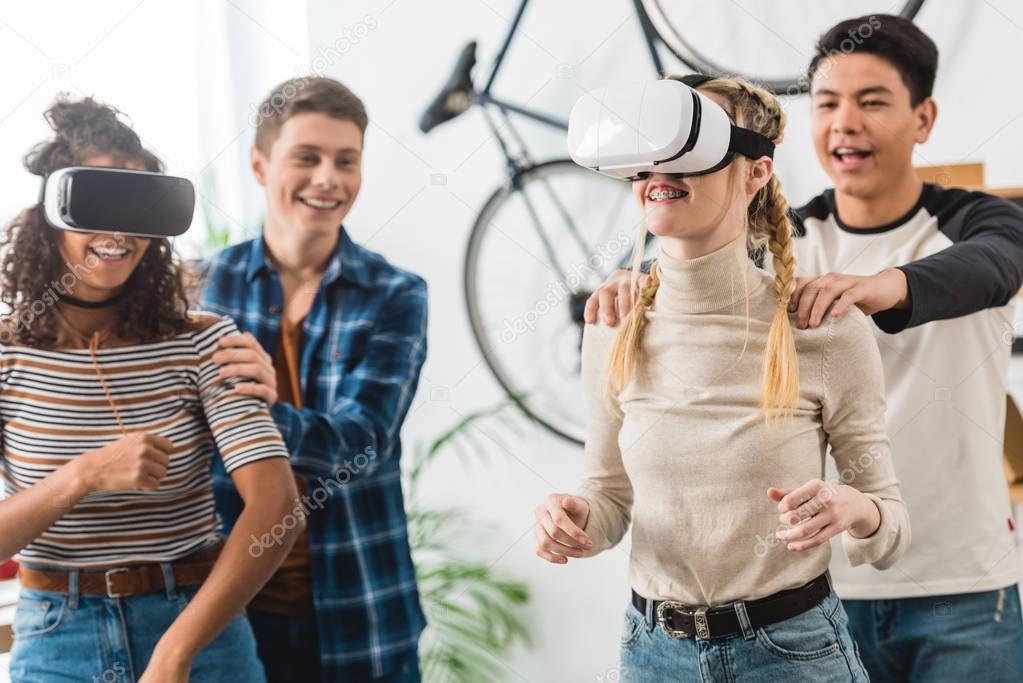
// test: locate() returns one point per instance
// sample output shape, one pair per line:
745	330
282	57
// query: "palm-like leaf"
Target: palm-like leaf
473	612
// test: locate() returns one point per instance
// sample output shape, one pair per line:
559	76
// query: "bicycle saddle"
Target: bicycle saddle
456	96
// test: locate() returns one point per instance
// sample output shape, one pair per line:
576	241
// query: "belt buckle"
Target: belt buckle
110	588
662	619
702	627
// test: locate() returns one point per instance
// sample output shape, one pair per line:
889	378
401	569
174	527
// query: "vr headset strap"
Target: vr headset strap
750	144
696	80
746	142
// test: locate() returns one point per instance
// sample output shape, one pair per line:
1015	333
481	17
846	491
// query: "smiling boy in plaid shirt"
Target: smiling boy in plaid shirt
334	337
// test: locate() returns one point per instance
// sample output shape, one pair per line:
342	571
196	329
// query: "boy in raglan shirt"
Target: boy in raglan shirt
937	269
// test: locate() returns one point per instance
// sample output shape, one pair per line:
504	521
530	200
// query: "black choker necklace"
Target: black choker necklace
67	298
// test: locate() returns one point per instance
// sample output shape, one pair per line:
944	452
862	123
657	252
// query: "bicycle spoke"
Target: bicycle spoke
541	233
613	219
569	222
525	314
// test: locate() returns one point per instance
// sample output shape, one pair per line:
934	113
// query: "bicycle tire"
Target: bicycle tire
694	59
498	369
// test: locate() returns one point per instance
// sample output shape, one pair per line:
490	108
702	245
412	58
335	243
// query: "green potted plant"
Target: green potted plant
474	612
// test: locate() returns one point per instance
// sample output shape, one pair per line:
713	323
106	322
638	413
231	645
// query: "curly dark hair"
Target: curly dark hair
154	304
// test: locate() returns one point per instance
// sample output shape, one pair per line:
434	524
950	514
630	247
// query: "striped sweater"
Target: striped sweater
53	408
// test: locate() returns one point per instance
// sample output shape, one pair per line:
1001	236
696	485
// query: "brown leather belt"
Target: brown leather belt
122	582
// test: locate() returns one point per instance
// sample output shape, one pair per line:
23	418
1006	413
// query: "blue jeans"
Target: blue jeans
69	637
289	648
812	646
975	637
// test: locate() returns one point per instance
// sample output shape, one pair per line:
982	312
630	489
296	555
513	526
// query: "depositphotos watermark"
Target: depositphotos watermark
557	291
324	58
850	471
1011	333
114	674
856	38
55	289
611	675
312	500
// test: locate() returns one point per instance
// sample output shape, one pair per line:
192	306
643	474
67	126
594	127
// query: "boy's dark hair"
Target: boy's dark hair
303	95
895	39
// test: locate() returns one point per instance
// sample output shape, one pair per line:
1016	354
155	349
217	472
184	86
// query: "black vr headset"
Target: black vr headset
114	200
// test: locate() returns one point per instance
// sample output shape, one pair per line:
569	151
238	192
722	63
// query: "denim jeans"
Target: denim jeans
69	637
975	637
812	646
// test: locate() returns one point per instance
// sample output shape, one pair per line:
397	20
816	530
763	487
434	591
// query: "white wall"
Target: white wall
54	47
187	74
398	65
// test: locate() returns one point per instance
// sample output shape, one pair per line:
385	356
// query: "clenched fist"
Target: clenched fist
136	462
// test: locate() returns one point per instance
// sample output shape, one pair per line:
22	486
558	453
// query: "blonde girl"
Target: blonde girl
709	420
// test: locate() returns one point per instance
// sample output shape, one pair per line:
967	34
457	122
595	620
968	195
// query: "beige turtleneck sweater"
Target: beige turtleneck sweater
684	455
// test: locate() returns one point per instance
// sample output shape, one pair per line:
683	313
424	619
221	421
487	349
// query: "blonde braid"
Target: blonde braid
781	369
779	241
768	224
625	352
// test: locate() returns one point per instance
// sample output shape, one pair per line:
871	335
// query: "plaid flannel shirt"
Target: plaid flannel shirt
363	344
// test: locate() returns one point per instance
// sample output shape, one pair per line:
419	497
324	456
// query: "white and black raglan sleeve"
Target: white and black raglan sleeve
982	268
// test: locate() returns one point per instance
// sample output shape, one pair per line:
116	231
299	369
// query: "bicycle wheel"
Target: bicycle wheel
541	244
769	42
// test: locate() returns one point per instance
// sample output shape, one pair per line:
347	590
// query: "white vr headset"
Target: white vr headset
630	131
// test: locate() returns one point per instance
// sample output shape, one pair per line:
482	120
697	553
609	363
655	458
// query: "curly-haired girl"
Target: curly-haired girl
111	410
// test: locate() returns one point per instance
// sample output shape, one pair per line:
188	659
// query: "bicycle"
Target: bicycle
571	213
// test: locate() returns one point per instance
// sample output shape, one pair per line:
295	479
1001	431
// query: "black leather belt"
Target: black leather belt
683	621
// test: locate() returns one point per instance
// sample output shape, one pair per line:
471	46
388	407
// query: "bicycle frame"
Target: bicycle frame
515	163
486	96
